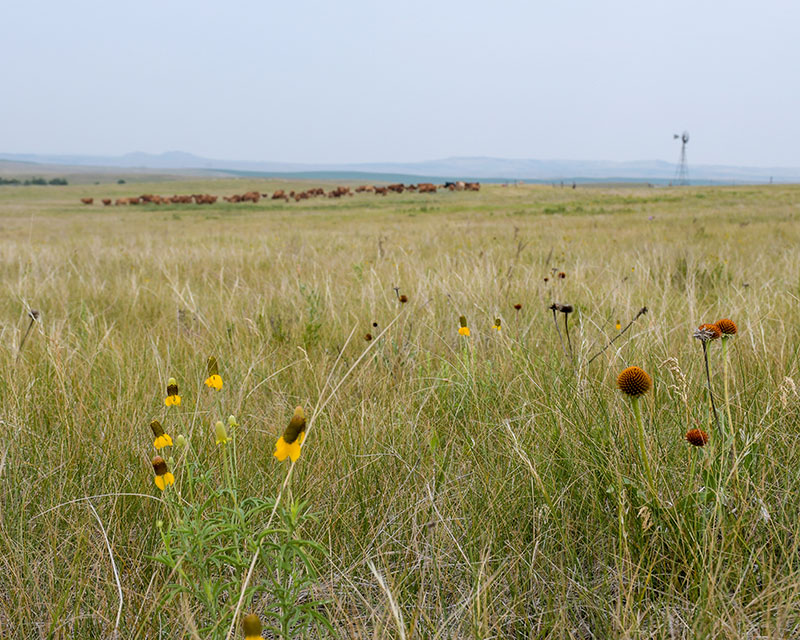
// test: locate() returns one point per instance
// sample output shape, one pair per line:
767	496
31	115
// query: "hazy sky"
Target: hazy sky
355	80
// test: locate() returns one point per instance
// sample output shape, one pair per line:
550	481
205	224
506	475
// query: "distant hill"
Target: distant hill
478	168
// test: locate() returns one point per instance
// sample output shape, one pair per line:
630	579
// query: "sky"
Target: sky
368	81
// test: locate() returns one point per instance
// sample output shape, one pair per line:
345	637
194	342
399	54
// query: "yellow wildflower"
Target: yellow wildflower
222	435
618	326
161	439
496	325
289	443
163	474
172	399
214	380
464	329
251	626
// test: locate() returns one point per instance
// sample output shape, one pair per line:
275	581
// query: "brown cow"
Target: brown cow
278	194
106	202
87	200
426	187
472	186
121	201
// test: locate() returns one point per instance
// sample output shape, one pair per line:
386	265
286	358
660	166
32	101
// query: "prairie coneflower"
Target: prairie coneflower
618	326
518	306
728	329
172	399
561	275
251	625
403	298
289	443
214	380
496	325
163	474
162	439
367	337
463	330
696	437
634	383
221	433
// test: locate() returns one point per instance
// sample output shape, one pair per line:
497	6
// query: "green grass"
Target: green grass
493	485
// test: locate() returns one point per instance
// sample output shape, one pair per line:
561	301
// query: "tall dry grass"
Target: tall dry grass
480	487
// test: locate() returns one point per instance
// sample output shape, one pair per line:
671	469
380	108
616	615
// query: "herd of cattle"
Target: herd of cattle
281	194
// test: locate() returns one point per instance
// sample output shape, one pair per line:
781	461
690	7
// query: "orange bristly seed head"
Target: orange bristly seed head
696	437
634	382
728	327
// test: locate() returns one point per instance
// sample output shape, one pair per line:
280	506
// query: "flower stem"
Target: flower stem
637	410
710	392
728	422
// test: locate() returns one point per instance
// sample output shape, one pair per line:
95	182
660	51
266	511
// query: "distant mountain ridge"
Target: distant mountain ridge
456	167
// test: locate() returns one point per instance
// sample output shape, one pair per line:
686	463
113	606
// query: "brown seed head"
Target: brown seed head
34	314
296	425
463	320
728	327
251	626
706	332
634	382
562	275
403	298
160	466
518	306
172	389
158	430
696	437
547	279
368	337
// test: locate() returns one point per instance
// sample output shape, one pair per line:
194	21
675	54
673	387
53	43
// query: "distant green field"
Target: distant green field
495	485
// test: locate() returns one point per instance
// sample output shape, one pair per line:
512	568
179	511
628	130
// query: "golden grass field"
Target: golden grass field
454	487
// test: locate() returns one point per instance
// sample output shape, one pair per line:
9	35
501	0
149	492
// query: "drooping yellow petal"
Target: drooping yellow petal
162	441
172	401
214	381
160	482
281	449
464	331
294	448
169	478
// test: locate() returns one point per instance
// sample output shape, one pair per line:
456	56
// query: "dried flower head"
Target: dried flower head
634	382
375	325
562	275
546	279
34	314
696	437
289	443
403	298
251	625
518	306
706	332
368	337
727	327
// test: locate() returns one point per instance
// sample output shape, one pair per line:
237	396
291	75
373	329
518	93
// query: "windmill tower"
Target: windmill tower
682	173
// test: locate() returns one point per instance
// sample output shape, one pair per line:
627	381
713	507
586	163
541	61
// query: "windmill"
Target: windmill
682	173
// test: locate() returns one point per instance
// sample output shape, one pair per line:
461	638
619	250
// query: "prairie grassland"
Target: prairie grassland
480	487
